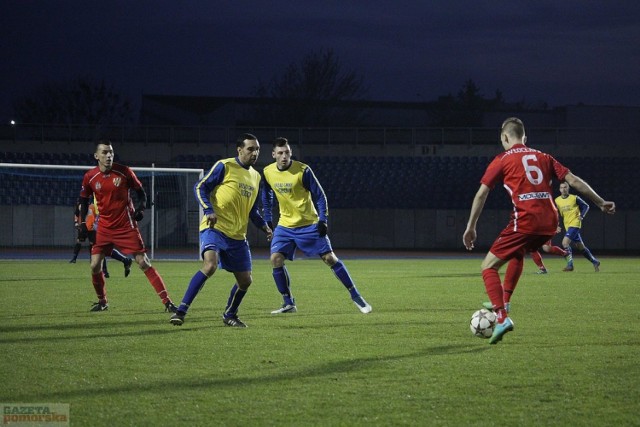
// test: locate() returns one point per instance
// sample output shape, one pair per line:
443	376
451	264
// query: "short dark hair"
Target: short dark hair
280	142
243	137
513	126
101	142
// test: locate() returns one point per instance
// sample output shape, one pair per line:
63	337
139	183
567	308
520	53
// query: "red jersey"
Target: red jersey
111	193
527	175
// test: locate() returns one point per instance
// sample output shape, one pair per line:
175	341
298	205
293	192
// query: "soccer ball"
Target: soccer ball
482	323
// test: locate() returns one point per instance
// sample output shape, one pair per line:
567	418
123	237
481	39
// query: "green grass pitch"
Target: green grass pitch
573	358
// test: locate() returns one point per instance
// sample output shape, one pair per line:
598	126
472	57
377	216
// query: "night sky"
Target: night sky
558	52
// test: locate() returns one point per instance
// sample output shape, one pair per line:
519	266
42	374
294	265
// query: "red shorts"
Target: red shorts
511	244
128	241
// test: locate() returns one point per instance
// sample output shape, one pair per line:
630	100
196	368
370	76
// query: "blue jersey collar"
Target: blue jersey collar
242	164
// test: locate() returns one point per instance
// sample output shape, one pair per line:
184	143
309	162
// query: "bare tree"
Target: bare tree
467	108
314	91
80	101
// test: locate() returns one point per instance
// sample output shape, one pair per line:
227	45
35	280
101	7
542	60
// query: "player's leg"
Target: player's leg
125	260
309	242
97	280
130	241
283	247
555	250
209	266
493	285
105	270
236	258
566	244
511	278
283	284
237	294
537	259
341	272
491	277
76	251
508	245
155	280
587	254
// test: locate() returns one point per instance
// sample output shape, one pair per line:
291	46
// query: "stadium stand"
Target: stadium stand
399	182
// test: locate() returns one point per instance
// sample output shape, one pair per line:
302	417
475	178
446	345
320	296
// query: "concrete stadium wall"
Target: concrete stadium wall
435	229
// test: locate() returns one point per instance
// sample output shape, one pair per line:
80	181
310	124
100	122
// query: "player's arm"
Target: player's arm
585	189
470	235
258	221
76	214
205	186
141	204
84	210
583	207
311	183
266	194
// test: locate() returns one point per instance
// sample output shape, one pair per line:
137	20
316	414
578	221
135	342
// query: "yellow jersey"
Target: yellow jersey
571	208
295	189
229	190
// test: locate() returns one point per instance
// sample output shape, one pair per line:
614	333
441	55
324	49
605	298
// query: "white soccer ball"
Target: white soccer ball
482	323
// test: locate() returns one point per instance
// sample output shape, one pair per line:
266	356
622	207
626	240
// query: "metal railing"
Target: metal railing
148	134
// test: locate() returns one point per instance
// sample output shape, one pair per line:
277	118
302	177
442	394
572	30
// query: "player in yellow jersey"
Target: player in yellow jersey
572	210
228	196
302	223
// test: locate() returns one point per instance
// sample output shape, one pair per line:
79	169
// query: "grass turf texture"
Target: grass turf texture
572	359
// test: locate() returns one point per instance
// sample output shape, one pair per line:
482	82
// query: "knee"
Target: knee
143	261
277	260
208	268
245	283
96	266
485	265
330	259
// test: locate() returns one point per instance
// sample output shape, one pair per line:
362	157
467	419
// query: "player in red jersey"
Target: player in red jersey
109	183
91	221
527	176
549	248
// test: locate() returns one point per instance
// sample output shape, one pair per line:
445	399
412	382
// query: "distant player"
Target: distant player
548	247
109	184
92	226
527	175
301	225
573	210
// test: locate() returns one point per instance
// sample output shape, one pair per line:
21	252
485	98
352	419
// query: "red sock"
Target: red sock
493	287
556	250
537	258
511	277
158	284
98	284
501	315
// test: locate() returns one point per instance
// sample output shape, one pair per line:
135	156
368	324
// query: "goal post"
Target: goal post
37	204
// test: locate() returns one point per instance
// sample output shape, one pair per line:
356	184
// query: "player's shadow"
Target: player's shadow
104	329
142	332
231	383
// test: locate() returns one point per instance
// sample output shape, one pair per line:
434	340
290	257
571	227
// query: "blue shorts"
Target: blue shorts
573	233
233	255
287	240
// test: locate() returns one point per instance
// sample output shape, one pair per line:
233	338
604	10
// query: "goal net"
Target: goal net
37	210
